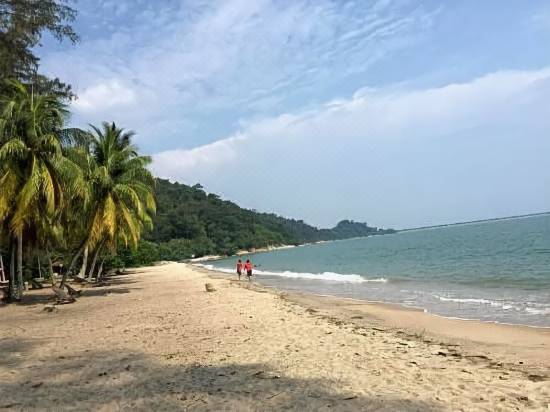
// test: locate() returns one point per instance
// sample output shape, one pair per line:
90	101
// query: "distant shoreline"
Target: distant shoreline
494	219
272	248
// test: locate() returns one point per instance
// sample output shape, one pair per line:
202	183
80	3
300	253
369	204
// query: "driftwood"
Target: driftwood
72	291
62	296
78	279
36	285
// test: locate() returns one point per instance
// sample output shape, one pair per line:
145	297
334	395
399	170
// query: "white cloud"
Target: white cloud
311	162
246	58
211	156
103	96
370	114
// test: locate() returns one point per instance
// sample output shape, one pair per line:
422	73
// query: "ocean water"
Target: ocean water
495	271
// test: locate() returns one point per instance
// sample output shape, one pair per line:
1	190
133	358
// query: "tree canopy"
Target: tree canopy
65	191
192	223
22	26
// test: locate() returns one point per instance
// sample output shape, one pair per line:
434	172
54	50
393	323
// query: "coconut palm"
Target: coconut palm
123	189
35	176
121	193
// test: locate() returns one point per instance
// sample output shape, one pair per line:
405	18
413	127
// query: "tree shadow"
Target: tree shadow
113	281
104	292
44	296
12	351
111	380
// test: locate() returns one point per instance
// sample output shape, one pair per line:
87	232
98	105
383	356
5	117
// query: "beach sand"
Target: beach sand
156	340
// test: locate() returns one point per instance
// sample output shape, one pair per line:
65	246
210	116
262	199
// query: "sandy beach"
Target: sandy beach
154	339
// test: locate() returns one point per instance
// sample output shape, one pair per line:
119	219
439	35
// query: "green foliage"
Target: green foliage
66	190
191	223
121	189
22	24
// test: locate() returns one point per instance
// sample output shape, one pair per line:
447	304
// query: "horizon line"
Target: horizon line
476	221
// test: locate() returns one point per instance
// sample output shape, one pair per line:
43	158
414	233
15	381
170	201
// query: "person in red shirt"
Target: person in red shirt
248	267
240	268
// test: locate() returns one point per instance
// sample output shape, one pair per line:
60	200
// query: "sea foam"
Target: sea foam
530	308
326	276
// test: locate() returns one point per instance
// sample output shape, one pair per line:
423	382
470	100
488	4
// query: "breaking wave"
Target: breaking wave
326	276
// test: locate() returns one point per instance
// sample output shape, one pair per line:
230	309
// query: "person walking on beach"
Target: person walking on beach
248	267
240	268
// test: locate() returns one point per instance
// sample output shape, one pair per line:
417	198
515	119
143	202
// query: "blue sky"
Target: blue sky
399	113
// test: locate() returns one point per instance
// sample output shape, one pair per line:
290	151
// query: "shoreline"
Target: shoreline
210	258
529	342
273	248
403	306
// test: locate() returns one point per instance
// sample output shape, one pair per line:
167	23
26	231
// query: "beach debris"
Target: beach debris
473	357
537	378
72	291
349	398
209	287
9	405
36	285
275	394
62	296
50	307
266	375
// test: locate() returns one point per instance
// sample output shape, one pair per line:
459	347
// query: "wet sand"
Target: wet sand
154	339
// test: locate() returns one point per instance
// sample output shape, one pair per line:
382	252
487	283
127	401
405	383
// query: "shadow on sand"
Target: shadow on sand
132	381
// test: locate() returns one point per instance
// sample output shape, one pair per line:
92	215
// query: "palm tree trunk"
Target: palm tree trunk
50	263
39	267
71	266
82	273
2	270
12	273
100	270
20	265
94	261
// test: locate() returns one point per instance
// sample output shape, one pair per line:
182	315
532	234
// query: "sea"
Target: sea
494	271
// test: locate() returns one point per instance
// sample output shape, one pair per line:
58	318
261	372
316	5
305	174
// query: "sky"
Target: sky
399	113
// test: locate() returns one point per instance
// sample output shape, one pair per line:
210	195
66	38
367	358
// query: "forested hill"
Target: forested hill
190	222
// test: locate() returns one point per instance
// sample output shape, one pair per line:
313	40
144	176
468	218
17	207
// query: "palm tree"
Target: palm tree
35	176
123	189
121	193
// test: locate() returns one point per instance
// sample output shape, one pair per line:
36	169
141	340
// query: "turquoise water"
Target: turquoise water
493	271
